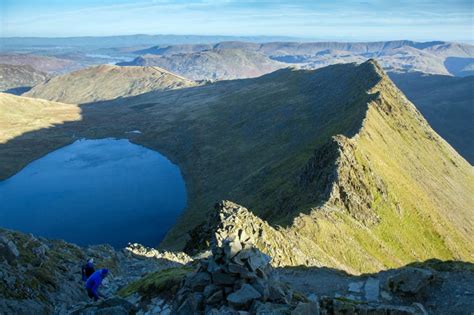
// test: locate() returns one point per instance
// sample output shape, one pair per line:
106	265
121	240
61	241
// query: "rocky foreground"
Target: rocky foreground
40	276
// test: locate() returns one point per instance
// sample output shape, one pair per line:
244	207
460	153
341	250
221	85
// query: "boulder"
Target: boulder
191	305
216	298
310	308
410	281
232	247
198	281
107	307
269	308
258	260
222	278
244	296
8	250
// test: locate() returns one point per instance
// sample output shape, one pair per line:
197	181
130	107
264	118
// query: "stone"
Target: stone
244	296
262	287
107	307
232	247
216	298
355	287
260	308
277	293
8	250
243	236
343	307
421	308
385	295
410	281
221	278
191	305
372	289
258	260
241	271
166	311
41	251
198	281
212	266
209	290
310	308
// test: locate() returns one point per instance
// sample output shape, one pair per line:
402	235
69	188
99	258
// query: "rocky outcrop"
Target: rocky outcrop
230	219
237	278
41	276
140	251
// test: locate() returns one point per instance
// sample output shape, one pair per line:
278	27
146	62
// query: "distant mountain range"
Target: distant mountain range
106	82
214	64
430	57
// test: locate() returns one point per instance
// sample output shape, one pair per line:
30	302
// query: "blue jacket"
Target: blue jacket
94	281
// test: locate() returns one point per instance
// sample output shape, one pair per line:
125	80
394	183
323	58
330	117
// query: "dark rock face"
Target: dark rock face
8	250
410	282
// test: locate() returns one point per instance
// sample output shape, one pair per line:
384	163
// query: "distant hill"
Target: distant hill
106	82
45	64
337	161
215	64
17	79
447	103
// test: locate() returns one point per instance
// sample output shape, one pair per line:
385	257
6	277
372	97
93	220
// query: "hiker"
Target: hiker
94	282
88	269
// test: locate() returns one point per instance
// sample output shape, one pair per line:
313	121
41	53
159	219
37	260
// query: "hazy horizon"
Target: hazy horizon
373	20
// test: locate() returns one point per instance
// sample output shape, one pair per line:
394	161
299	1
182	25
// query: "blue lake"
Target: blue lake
93	192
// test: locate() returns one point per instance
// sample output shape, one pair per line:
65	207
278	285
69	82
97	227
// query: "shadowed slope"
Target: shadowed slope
447	104
106	82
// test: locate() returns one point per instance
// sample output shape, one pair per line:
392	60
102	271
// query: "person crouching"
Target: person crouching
94	282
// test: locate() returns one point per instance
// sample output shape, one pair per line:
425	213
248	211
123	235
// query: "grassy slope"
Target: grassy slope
427	209
447	104
106	82
260	142
21	114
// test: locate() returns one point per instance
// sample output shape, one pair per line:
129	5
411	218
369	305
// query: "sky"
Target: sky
312	19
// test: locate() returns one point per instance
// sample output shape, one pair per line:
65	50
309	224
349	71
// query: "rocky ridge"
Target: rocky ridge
346	166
